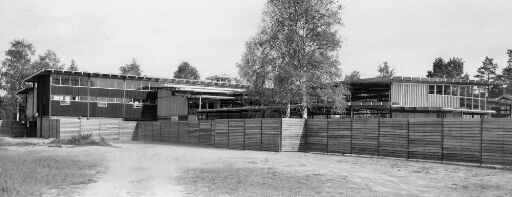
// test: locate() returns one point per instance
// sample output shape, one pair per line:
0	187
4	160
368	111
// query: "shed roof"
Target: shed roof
163	80
400	79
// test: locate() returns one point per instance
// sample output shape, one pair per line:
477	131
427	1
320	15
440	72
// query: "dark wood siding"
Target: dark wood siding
141	94
43	95
76	109
146	112
91	109
113	110
100	92
69	90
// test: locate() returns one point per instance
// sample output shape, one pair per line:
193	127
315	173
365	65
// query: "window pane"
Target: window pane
103	83
447	90
83	98
83	81
65	80
145	85
129	85
75	81
94	82
111	100
439	89
455	90
120	84
119	100
102	104
431	89
111	83
55	97
55	80
475	91
93	99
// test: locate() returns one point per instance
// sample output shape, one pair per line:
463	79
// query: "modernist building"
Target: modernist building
57	93
408	97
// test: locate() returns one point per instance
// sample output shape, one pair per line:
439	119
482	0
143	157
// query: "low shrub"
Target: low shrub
82	139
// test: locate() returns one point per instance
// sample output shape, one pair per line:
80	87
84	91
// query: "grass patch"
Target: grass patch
32	173
82	139
233	180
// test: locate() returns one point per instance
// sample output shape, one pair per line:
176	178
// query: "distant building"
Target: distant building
223	78
56	94
410	97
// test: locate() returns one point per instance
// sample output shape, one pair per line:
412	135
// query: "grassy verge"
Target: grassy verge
230	180
82	139
31	173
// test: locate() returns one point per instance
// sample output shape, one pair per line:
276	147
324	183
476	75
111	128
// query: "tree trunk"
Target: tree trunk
304	102
288	110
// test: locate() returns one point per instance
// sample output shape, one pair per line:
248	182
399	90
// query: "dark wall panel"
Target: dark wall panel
113	110
75	109
141	94
100	92
146	112
69	90
43	95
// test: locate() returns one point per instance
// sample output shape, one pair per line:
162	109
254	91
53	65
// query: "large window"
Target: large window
439	89
431	89
447	90
55	80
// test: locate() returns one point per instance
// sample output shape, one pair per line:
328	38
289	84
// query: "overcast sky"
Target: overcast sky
103	35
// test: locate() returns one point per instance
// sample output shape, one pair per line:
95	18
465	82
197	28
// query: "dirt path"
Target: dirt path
152	170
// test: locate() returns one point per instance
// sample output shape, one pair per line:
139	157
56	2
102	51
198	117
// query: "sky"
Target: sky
104	35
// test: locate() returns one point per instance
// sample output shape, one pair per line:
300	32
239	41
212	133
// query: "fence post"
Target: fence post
244	133
212	132
351	133
228	132
378	137
481	140
327	136
442	139
118	130
99	131
188	132
80	126
408	136
261	134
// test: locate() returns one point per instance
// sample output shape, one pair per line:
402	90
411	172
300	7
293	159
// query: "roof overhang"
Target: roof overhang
424	80
25	90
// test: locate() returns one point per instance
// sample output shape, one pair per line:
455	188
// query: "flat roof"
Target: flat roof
400	79
207	83
25	90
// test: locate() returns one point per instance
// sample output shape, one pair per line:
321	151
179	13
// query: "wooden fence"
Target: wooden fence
485	141
243	134
10	128
110	129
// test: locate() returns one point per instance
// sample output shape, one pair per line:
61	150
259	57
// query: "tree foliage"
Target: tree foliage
294	54
48	60
506	75
16	67
354	76
133	68
454	68
487	71
186	71
73	66
385	71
